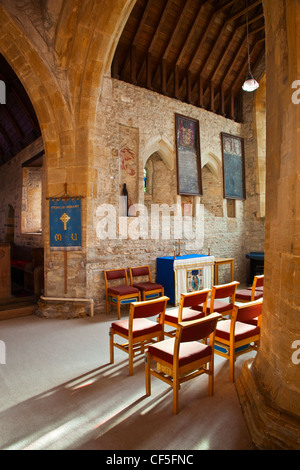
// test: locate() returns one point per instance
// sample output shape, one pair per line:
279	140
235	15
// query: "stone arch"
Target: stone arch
40	86
163	149
212	184
213	163
64	85
159	159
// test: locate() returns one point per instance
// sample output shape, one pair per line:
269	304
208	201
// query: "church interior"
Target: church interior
160	135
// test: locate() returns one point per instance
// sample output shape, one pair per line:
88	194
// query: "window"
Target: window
32	195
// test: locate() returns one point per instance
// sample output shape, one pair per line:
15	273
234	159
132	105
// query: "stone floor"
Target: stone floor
58	391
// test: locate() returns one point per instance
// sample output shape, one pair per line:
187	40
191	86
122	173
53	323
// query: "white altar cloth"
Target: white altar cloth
187	282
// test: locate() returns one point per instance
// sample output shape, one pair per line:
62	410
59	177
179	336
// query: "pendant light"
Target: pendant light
250	84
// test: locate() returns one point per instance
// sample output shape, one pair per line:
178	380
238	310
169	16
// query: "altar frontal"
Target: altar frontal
187	273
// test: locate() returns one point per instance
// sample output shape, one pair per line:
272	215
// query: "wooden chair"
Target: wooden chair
183	358
222	299
254	293
148	289
138	330
185	311
121	294
237	335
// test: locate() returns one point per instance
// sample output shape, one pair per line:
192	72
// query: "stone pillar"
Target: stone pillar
269	388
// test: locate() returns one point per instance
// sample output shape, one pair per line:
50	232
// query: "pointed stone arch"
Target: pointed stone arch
163	149
213	163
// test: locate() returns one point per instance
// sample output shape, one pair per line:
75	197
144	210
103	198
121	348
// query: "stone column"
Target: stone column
269	388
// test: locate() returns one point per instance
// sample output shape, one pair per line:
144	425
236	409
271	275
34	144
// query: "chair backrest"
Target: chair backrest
195	330
149	308
140	271
258	281
225	290
113	274
192	299
246	312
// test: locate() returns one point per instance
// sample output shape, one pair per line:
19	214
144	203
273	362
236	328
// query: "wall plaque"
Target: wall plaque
189	181
233	167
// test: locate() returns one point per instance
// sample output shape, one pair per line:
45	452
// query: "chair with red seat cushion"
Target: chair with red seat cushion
237	335
139	330
183	358
222	299
185	312
119	294
148	289
254	293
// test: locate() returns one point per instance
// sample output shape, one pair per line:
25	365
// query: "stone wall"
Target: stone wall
11	176
139	124
135	126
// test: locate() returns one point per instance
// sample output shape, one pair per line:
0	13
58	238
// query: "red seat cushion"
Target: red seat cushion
147	286
245	294
219	306
122	290
141	326
242	330
188	352
19	263
188	314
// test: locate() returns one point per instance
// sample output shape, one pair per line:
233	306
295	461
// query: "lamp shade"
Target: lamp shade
250	84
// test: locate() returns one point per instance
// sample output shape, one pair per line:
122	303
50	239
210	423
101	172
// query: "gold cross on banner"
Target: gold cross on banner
65	219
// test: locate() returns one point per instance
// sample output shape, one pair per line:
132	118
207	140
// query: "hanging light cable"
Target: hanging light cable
250	84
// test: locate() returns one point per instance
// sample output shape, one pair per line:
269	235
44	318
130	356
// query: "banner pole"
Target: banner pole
66	271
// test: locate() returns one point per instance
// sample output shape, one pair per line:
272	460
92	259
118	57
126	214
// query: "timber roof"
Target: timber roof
192	50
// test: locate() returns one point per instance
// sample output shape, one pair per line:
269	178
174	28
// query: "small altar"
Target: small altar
186	273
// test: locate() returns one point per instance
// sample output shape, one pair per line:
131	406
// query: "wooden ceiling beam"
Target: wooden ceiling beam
135	39
230	66
160	26
191	33
244	10
224	55
180	20
170	43
251	21
237	56
151	49
13	122
5	136
204	36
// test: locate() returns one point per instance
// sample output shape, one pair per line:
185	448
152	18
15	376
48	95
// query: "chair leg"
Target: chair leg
107	306
130	351
111	341
119	309
147	374
175	396
211	378
231	360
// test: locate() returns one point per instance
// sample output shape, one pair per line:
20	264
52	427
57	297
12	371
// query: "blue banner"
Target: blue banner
65	224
